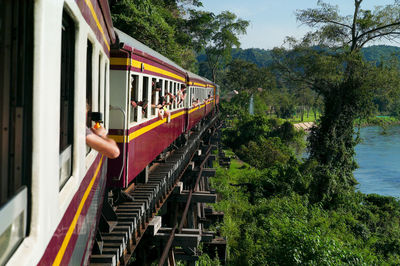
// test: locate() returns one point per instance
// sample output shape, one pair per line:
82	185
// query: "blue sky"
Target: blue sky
272	20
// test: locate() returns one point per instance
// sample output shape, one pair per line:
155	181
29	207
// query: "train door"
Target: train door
16	71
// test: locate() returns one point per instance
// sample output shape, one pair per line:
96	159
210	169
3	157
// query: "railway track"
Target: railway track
123	226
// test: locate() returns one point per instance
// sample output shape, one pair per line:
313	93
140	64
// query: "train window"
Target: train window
165	90
171	90
190	96
175	93
105	95
89	89
154	96
134	98
161	92
16	70
99	89
145	96
183	93
67	98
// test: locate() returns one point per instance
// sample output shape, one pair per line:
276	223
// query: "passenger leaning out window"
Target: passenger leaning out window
96	138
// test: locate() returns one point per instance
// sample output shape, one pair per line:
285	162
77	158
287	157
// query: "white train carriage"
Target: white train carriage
54	58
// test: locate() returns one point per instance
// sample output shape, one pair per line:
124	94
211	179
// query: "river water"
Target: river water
378	157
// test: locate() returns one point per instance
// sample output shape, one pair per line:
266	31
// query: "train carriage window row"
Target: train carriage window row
145	93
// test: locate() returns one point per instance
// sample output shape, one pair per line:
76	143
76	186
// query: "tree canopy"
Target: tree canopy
329	61
178	30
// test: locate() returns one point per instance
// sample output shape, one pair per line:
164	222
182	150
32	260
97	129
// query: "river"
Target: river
378	157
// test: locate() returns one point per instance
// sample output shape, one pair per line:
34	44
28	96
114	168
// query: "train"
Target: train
58	57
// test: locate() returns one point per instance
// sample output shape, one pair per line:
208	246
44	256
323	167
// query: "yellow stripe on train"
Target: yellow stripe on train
143	130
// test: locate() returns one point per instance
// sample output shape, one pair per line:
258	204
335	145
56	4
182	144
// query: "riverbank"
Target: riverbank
306	126
382	121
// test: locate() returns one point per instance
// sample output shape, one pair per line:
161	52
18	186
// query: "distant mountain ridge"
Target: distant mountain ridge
263	58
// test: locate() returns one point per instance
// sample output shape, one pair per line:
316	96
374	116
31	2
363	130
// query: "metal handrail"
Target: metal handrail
123	141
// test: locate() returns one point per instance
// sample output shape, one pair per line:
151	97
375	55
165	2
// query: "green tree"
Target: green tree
217	38
328	60
246	76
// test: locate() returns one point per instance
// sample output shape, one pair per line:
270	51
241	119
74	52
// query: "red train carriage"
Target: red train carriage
141	134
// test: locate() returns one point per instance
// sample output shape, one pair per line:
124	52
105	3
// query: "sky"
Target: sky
272	20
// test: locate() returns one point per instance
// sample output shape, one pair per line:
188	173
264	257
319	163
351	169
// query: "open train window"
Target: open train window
145	96
89	89
67	98
190	96
16	70
154	96
161	92
174	93
99	88
134	85
182	102
105	95
171	90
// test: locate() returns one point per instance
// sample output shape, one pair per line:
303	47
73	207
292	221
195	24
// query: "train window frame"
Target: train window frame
190	97
175	94
171	90
154	97
166	91
146	86
161	92
90	99
99	84
182	104
66	153
105	93
134	89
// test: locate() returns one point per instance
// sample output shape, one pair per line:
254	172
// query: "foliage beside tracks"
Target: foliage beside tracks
269	219
272	216
262	141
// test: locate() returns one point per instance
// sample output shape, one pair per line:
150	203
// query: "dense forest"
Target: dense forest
281	208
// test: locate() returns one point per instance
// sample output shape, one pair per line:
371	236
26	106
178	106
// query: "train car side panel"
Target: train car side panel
72	240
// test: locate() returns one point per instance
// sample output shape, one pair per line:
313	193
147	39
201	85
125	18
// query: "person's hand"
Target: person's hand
101	131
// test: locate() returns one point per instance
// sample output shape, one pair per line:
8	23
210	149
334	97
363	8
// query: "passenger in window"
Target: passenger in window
97	139
195	102
143	104
181	94
161	106
163	110
172	98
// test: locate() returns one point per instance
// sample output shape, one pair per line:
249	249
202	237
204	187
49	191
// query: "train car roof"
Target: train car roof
194	78
136	45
